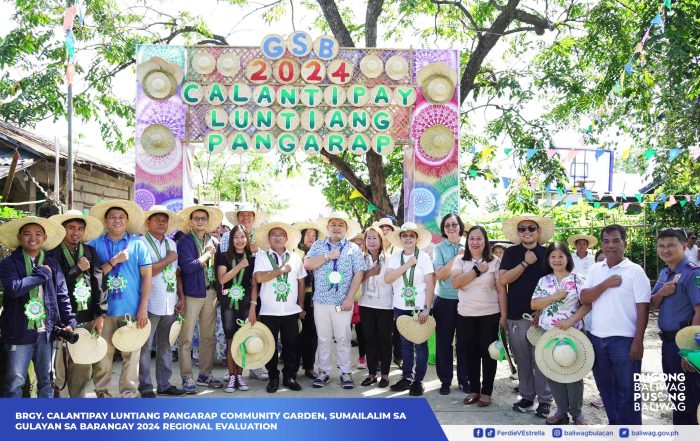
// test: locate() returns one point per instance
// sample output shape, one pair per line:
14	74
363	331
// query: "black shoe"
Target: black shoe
464	387
445	389
516	389
398	362
148	394
401	385
368	381
172	391
353	343
175	356
383	383
543	410
291	384
524	406
273	385
416	389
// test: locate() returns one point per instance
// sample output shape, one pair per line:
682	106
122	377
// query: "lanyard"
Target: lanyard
209	277
340	253
335	278
110	254
150	238
281	287
69	257
408	281
283	277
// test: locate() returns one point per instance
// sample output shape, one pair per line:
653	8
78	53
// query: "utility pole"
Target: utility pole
69	156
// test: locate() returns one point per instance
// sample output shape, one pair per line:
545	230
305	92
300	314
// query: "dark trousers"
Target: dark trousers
377	325
361	342
671	364
474	335
445	314
286	326
414	355
396	342
614	375
308	340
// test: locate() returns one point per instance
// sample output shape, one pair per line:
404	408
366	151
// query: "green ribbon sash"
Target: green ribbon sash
281	285
409	292
34	309
168	272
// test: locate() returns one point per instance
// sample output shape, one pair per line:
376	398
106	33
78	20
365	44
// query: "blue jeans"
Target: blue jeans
407	350
18	358
671	364
614	374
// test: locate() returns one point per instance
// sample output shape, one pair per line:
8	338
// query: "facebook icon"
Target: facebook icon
490	432
478	432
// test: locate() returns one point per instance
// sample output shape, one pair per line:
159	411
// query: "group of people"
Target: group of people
305	281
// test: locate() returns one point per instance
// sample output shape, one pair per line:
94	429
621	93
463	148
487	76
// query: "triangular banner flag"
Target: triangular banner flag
70	44
682	202
639	197
598	154
596	204
694	152
648	153
616	89
697	200
473	173
672	201
371	208
506	182
551	153
662	197
626	153
687	197
667	4
507	151
588	194
355	194
572	154
486	151
68	17
560	190
657	20
610	205
472	150
568	204
673	154
628	67
625	206
654	205
70	72
340	176
531	153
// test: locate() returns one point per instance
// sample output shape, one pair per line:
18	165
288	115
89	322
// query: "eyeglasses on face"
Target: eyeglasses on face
452	225
530	228
200	219
408	236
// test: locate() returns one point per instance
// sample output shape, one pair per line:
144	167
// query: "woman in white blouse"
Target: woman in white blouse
481	304
376	308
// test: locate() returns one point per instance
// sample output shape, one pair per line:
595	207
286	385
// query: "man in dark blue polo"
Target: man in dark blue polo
677	295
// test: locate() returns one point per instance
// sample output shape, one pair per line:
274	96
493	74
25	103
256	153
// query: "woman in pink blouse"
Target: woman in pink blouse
557	296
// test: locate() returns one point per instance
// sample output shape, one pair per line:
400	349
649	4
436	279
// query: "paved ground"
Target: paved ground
448	409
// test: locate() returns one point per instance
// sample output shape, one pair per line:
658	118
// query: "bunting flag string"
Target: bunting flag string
672	153
70	41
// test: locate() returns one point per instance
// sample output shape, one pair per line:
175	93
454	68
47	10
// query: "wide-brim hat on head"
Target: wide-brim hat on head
90	348
130	338
371	66
592	240
232	216
258	342
175	222
228	64
424	236
203	63
354	226
437	81
396	67
685	338
510	227
159	78
133	210
54	232
385	221
308	225
93	227
157	140
564	356
293	235
413	331
215	217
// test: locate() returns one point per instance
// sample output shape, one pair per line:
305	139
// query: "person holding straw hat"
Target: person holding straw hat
280	273
165	305
83	274
557	297
677	296
338	268
234	267
126	277
521	269
196	251
413	282
35	301
308	339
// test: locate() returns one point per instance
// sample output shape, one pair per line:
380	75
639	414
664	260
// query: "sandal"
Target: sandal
484	401
471	399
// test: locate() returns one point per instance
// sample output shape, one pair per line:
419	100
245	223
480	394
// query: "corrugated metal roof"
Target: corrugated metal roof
6	162
44	148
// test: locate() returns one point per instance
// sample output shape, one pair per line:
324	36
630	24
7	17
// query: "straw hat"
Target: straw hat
90	348
533	334
510	227
396	67
437	80
93	227
130	338
592	241
228	64
437	141
293	235
497	351
54	232
175	330
215	217
354	226
385	221
159	78
371	66
258	342
157	140
305	225
413	331
133	210
424	236
685	338
203	63
232	216
564	356
175	222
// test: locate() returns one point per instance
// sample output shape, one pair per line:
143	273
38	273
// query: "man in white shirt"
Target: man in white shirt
280	273
163	302
583	260
691	250
619	292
